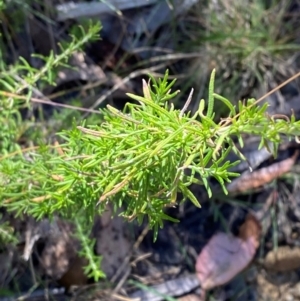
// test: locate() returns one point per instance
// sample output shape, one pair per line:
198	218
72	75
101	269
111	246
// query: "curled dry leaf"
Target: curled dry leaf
283	259
250	228
252	180
226	255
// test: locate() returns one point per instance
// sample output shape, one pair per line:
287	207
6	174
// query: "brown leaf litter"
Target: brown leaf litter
252	180
225	255
284	258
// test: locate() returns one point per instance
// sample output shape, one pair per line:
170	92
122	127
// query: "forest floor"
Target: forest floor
47	267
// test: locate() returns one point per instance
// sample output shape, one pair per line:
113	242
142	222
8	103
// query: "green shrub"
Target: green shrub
138	160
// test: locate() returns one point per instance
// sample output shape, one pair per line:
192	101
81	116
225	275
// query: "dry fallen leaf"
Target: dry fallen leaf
222	259
283	259
255	179
226	255
250	228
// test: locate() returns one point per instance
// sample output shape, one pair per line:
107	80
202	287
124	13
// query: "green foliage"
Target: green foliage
92	270
31	76
139	159
23	77
252	39
18	168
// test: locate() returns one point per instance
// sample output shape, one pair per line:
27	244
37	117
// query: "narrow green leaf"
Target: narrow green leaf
211	88
188	194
